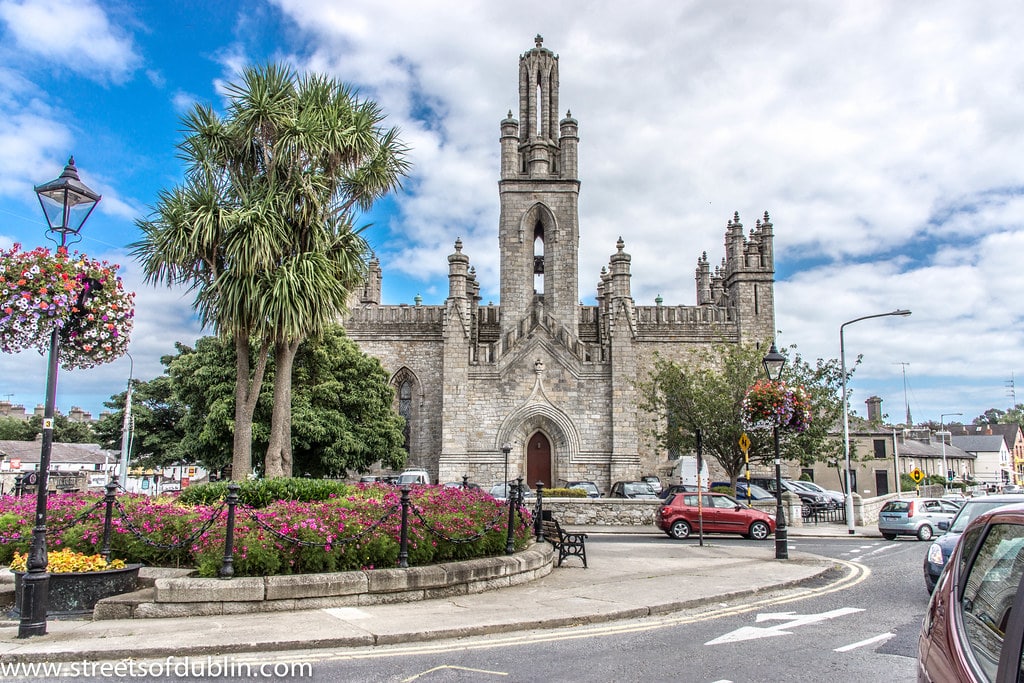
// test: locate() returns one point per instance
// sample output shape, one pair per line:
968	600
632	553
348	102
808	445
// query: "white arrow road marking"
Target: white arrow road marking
870	641
790	620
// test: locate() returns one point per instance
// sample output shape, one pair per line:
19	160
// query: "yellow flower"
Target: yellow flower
66	561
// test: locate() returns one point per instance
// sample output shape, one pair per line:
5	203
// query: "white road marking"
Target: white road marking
870	641
789	619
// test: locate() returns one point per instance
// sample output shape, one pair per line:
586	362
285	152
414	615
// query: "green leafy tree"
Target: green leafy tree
64	430
16	429
343	403
263	227
157	416
343	408
706	394
1014	415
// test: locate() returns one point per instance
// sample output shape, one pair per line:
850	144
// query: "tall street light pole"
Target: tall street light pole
67	203
848	484
773	363
942	435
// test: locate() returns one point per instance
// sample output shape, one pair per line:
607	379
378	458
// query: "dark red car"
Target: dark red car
721	514
973	629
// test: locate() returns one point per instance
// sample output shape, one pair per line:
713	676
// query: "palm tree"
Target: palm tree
262	229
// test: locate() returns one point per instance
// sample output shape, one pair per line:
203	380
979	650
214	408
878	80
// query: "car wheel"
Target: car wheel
889	537
680	529
759	531
805	511
925	533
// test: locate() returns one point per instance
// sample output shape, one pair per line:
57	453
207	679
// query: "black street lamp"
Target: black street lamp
773	363
67	203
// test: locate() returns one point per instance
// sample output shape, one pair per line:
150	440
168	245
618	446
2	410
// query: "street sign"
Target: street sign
917	475
744	442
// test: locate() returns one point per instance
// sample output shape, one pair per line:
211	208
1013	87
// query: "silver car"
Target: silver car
915	517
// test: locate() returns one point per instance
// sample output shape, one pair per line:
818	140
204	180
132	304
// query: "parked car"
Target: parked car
673	489
500	491
413	476
974	625
633	489
588	486
458	485
939	551
654	481
914	517
836	499
742	490
810	501
723	514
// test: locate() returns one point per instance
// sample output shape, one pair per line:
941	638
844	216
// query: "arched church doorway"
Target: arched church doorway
538	460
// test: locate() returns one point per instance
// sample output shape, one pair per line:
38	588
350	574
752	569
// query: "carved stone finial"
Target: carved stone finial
766	219
736	216
620	245
539	40
458	244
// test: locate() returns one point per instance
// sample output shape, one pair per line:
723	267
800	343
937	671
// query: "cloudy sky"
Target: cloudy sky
884	139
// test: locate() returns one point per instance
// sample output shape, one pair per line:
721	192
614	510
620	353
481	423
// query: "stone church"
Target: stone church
553	379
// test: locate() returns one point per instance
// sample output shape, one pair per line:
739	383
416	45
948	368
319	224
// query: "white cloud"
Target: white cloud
75	33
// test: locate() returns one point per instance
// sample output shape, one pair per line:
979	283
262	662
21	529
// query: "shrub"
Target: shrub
260	493
565	493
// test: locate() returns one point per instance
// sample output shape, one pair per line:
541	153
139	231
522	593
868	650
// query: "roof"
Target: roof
60	453
1008	432
979	444
912	448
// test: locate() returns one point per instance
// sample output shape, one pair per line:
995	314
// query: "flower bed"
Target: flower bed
357	531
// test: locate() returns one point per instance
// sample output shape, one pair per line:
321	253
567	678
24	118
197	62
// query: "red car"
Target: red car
721	514
973	629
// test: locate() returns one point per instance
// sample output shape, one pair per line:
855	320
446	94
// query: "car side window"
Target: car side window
931	506
989	593
690	500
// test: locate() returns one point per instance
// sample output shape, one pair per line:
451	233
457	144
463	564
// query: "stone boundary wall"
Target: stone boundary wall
193	596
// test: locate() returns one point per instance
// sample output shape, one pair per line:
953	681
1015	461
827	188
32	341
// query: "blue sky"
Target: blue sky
883	138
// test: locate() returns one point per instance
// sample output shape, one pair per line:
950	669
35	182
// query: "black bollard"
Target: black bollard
465	482
227	568
403	547
510	500
538	512
19	485
108	517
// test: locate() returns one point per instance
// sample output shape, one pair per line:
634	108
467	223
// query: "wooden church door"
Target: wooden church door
538	461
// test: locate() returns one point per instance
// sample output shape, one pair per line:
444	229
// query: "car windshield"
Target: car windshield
972	509
896	506
585	486
638	487
755	491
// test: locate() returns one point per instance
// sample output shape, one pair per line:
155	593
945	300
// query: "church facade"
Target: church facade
550	379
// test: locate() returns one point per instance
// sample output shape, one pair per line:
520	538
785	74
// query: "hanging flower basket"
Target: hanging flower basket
775	404
82	297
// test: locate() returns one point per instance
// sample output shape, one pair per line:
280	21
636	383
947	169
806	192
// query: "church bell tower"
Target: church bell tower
539	195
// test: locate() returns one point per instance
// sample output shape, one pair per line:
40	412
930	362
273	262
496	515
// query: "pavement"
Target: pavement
627	579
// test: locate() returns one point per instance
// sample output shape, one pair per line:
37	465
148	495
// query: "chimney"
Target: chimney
874	409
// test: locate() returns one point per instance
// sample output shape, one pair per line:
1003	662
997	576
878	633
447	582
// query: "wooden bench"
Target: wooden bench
567	543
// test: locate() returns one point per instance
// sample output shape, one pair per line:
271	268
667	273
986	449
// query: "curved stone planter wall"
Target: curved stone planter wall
188	596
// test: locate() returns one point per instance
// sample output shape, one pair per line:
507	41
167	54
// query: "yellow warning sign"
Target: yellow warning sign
744	442
917	475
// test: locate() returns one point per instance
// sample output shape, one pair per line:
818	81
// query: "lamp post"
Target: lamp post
773	363
848	484
942	435
67	203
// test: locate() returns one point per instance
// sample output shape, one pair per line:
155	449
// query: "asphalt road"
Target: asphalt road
861	625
